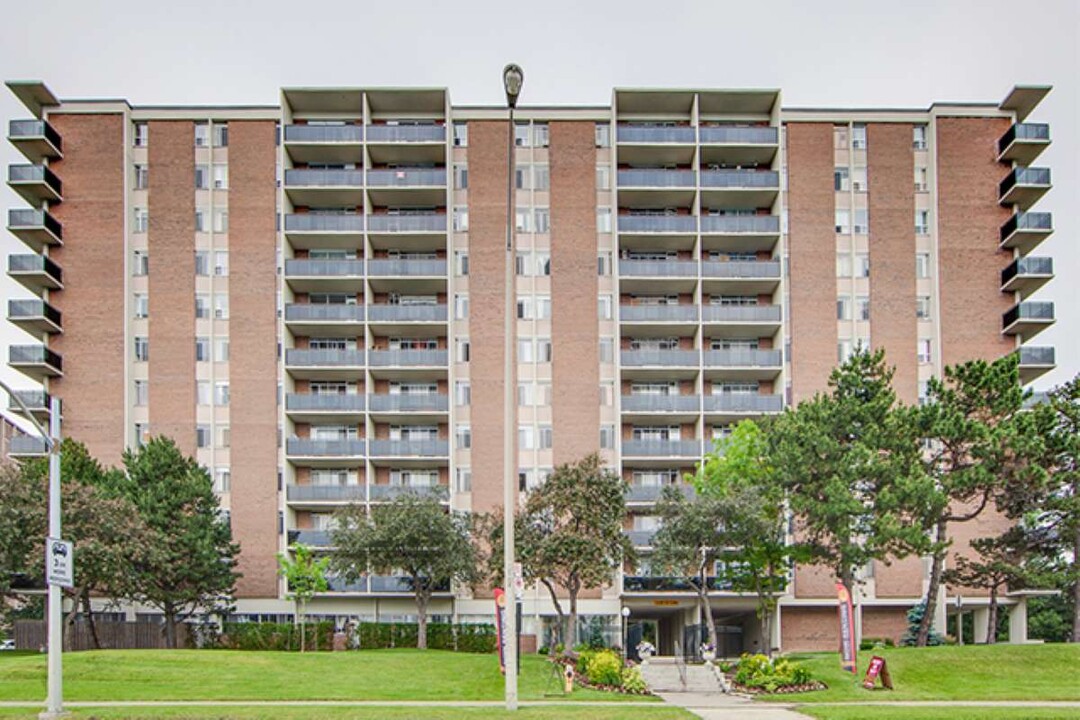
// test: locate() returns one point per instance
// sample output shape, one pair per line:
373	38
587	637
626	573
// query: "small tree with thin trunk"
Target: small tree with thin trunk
412	535
304	576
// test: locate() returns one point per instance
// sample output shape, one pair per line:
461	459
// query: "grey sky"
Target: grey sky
842	53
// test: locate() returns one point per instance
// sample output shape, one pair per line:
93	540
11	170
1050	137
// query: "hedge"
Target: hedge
365	636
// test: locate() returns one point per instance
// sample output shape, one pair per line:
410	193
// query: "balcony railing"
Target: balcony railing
398	584
1022	221
1024	176
329	402
324	133
740	179
337	584
326	493
324	268
741	269
407	313
657	223
1035	355
406	223
409	448
662	448
305	447
1027	266
406	268
743	403
391	492
652	493
324	358
650	134
658	313
406	178
742	358
311	538
1038	132
640	583
35	174
34	263
33	399
28	309
34	355
660	358
640	538
306	177
735	224
26	445
312	222
409	403
740	313
660	403
738	135
407	358
324	313
20	130
1028	310
23	218
656	178
406	133
658	268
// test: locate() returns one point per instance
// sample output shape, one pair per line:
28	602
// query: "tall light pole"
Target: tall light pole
513	78
54	704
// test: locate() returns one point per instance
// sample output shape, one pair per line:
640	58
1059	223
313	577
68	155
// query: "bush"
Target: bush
870	643
581	665
632	681
757	671
365	636
276	636
605	668
914	617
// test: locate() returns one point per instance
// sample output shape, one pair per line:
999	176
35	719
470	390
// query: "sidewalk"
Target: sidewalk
718	706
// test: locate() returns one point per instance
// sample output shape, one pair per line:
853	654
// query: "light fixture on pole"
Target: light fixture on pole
54	703
625	631
513	78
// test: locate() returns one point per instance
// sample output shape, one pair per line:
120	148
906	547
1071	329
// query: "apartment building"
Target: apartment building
309	298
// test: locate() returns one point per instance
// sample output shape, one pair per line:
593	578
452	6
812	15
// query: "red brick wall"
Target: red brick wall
809	629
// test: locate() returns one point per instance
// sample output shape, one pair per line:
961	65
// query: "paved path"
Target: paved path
718	706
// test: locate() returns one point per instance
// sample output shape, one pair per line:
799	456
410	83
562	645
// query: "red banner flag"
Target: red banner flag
500	626
847	630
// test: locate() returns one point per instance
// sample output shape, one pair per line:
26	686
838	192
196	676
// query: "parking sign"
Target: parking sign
59	562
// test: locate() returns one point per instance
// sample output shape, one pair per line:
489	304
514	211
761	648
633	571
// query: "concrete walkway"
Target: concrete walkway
718	706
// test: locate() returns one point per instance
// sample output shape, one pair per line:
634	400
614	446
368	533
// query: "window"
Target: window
545	436
462	393
843	351
862	308
922	222
462	479
221	480
221	349
525	308
924	392
221	220
525	394
142	305
202	262
841	179
603	264
461	219
843	308
603	220
607	394
141	220
140	263
142	434
603	135
200	219
525	347
543	350
922	265
922	307
461	177
221	134
462	437
861	225
526	437
142	135
221	263
858	178
858	137
221	306
203	394
542	220
918	140
521	134
924	351
221	176
840	137
223	436
142	348
541	177
202	436
607	437
202	349
461	135
523	220
461	263
461	350
862	265
461	306
922	183
142	177
603	177
542	265
202	134
607	350
221	393
843	265
603	307
202	305
540	134
543	307
142	393
843	221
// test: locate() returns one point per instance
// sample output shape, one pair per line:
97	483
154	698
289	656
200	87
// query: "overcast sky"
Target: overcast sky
906	53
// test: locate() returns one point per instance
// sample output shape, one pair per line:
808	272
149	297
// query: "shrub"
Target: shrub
604	668
757	671
869	643
632	681
581	665
277	636
914	617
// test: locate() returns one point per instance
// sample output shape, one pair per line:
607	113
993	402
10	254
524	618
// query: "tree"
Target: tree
190	559
304	576
842	459
737	473
413	535
977	446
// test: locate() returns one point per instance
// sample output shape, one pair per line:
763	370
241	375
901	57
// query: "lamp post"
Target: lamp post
54	704
625	632
513	78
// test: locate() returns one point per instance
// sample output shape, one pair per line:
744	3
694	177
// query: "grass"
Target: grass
976	672
661	712
251	675
864	712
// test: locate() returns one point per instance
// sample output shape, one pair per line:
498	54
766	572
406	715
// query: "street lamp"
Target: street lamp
513	78
54	704
625	632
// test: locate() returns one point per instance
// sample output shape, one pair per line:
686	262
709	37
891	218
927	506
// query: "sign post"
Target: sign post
847	630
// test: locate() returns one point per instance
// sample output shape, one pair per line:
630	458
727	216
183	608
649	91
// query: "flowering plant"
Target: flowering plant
646	648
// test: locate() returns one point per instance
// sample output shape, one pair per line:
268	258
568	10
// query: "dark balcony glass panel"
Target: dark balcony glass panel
324	223
324	133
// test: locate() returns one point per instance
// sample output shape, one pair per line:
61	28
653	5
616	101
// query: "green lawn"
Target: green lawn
864	712
251	675
974	672
374	713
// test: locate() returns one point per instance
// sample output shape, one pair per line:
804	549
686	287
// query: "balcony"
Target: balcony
37	402
640	538
733	145
647	404
742	404
658	178
1025	230
305	276
658	268
741	277
739	189
25	446
1035	362
407	268
314	231
739	233
35	361
310	538
659	358
761	319
324	143
1024	186
1027	274
337	449
36	139
325	493
655	134
387	493
340	585
742	364
324	364
649	494
35	272
308	186
658	313
409	448
406	133
658	584
34	316
407	186
432	403
407	313
36	228
1023	143
309	407
1027	319
338	320
656	188
662	448
35	183
420	232
398	584
408	358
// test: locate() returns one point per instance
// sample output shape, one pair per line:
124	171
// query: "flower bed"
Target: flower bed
604	670
757	674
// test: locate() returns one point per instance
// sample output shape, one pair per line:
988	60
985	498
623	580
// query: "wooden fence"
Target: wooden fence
32	635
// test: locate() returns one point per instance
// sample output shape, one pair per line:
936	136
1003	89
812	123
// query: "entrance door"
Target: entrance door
637	631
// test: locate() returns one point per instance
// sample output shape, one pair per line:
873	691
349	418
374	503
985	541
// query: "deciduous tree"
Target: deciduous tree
304	576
